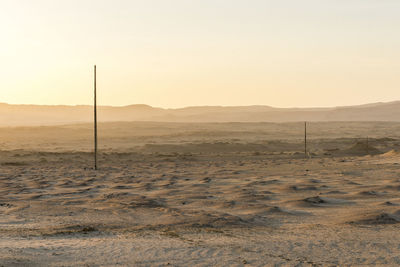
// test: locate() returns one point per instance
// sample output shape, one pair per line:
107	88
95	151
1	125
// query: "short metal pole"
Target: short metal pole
305	139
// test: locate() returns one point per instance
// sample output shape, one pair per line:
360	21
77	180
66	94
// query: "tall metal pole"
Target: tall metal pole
305	139
95	120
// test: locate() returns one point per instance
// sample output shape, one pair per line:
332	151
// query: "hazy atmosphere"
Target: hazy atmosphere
226	133
212	52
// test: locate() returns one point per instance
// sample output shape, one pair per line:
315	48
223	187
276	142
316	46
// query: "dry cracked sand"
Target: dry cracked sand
208	195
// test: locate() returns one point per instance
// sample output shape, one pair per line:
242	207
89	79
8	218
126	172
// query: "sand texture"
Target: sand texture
234	194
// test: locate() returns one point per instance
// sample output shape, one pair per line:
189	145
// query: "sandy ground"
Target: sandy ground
208	195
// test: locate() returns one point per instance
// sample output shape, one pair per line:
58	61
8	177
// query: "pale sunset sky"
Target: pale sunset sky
177	53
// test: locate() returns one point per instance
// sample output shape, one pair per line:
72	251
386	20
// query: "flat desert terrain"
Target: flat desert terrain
206	194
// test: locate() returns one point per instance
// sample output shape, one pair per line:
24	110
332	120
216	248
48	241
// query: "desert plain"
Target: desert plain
201	194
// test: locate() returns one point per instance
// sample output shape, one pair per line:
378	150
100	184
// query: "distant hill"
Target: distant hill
33	115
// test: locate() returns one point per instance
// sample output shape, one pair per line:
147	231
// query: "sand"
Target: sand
205	195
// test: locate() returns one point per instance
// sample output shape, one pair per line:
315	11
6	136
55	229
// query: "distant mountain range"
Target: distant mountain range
33	115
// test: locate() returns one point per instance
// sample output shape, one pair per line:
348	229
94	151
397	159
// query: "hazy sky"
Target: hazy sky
175	53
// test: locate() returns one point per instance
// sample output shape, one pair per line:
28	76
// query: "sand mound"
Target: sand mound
361	149
324	201
302	188
391	153
390	203
372	193
283	211
382	218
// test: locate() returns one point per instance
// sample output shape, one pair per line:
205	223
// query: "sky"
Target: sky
178	53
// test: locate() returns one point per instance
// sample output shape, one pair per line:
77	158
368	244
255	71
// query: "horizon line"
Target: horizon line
185	107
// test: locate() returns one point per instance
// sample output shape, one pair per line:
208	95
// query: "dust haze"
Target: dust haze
36	115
